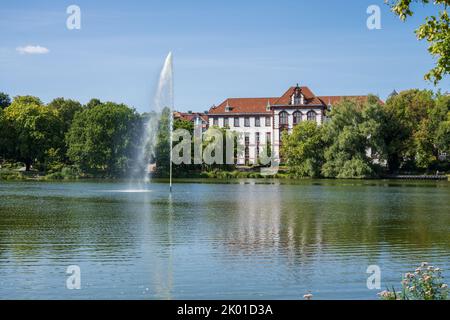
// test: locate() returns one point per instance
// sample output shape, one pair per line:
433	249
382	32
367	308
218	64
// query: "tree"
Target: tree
103	139
30	129
349	135
443	136
430	133
5	101
162	147
404	113
303	150
2	136
436	30
93	103
411	130
65	110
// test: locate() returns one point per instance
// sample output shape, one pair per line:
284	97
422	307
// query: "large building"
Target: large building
261	121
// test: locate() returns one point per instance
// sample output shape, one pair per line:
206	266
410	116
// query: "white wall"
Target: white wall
273	129
251	130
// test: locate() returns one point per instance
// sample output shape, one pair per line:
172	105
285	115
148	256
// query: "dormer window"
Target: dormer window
228	108
297	98
268	107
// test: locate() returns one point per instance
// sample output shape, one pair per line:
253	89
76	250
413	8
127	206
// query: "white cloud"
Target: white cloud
32	50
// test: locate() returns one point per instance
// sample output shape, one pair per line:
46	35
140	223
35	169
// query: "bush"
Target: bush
10	175
66	173
426	283
355	169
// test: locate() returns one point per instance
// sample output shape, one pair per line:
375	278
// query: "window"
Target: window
284	119
216	122
311	115
257	121
226	122
267	121
268	138
247	122
236	122
297	117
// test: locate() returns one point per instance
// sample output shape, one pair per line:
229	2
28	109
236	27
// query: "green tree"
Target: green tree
303	150
162	148
411	130
31	130
349	135
65	110
3	141
443	136
5	101
93	103
103	139
404	114
429	133
436	30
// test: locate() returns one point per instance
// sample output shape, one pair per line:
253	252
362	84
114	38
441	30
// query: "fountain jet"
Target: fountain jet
163	98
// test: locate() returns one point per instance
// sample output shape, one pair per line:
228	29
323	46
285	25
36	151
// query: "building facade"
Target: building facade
260	122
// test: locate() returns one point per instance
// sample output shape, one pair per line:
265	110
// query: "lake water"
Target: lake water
218	241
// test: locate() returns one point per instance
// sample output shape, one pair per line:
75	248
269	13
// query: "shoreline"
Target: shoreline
243	180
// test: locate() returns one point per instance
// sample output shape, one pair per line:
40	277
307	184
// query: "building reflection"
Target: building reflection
303	224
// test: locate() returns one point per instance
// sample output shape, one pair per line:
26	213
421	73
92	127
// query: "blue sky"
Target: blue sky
221	49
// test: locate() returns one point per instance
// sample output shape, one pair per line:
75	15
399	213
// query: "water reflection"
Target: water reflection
217	241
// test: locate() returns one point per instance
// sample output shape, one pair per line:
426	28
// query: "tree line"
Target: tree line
99	138
408	133
361	139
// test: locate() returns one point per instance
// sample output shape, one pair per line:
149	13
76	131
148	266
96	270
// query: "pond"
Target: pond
243	240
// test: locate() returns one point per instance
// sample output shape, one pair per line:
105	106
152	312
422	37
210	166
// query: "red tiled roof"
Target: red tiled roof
259	105
243	105
190	116
310	97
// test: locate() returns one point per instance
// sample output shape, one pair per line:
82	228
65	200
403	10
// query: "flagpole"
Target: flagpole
171	155
171	122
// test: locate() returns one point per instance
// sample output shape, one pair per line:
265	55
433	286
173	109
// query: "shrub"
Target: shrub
426	283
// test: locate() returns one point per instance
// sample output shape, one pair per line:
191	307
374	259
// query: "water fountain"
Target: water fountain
163	98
